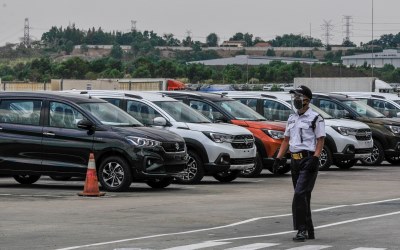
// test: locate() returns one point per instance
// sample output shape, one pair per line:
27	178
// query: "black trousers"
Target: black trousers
304	175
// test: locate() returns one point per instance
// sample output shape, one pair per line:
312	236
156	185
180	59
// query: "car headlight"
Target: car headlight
274	134
142	142
345	130
218	137
393	129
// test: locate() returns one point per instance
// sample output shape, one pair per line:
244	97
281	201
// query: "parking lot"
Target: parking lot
353	209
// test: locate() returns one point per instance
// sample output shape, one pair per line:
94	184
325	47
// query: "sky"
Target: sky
262	18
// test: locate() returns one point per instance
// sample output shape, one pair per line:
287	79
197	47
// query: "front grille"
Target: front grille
363	134
242	161
172	147
243	141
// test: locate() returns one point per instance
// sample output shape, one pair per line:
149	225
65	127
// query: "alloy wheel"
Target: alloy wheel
113	174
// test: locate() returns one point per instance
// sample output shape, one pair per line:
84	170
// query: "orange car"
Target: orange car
219	108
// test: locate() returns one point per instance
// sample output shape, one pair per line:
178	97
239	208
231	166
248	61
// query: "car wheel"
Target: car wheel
159	183
255	170
377	155
26	178
227	176
345	164
194	170
115	174
60	178
394	160
325	158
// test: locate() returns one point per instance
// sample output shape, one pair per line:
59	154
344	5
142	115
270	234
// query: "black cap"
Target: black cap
302	90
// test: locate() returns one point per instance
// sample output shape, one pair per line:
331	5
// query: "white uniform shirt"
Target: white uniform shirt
300	126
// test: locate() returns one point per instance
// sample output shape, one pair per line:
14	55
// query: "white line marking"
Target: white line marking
323	226
309	247
254	246
374	202
213	228
368	248
198	246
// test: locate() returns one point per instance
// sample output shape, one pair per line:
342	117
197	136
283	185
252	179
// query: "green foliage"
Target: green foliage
116	51
270	52
212	40
295	41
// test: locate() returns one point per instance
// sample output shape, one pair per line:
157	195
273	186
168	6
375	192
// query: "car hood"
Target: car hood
383	121
218	128
262	124
150	133
346	123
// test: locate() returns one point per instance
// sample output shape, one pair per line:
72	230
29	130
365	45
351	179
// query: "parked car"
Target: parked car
219	108
386	103
385	131
54	133
220	150
345	142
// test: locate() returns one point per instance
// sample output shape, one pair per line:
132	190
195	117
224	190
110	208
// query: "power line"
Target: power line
27	40
327	28
348	19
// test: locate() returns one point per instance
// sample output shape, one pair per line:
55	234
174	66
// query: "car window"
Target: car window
63	116
363	109
333	109
276	111
240	111
181	112
207	110
113	101
20	111
142	112
252	103
386	108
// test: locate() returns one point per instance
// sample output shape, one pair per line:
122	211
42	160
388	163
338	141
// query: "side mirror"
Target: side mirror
160	121
85	124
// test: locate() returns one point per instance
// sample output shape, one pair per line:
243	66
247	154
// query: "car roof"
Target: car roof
126	94
258	94
339	97
73	97
200	95
387	96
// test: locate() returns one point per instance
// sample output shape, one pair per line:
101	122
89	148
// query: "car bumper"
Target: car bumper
224	163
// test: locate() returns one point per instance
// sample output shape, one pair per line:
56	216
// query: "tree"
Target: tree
348	43
116	51
212	40
270	52
69	47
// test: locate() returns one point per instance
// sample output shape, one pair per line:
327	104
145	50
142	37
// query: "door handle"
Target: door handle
49	133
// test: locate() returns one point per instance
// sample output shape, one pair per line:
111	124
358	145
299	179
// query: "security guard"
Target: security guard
304	136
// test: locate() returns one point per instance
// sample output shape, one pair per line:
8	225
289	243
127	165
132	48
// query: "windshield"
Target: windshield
397	101
321	112
363	109
108	114
181	112
240	111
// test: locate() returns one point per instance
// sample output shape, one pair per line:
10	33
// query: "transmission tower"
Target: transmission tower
133	25
27	40
327	28
348	20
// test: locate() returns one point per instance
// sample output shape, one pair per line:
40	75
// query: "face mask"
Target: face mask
298	103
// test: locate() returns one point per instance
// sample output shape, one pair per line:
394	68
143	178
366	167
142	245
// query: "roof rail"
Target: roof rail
134	96
378	96
269	96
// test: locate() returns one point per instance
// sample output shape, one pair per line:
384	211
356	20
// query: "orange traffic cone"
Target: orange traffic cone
91	183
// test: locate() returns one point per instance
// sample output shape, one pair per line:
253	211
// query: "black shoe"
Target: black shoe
311	235
300	236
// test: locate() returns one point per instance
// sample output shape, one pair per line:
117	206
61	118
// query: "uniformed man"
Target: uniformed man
304	136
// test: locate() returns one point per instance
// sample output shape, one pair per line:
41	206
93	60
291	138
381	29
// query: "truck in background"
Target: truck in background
137	84
344	84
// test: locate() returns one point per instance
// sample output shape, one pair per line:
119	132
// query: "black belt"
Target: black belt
302	154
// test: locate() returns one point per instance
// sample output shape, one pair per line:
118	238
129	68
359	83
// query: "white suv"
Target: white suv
221	150
346	140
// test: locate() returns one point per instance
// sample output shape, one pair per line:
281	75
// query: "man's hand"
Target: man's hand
315	161
278	165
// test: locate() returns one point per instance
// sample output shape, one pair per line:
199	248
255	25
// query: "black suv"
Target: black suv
53	134
385	131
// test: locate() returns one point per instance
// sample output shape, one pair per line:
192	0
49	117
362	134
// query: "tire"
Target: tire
325	159
26	179
159	183
194	170
60	178
114	174
255	170
394	160
377	155
346	164
227	176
